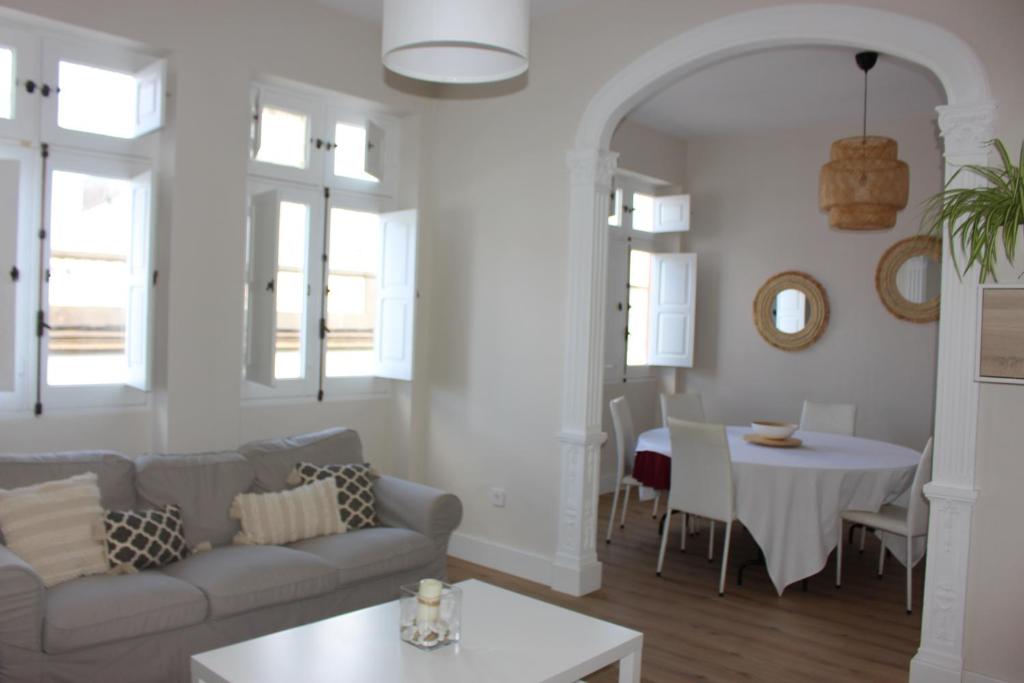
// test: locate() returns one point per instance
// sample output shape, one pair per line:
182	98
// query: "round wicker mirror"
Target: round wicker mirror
907	279
791	310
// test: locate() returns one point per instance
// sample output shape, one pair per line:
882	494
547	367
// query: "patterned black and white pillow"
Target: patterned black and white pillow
356	501
145	539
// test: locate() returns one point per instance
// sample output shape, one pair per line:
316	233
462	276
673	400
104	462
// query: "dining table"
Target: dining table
789	499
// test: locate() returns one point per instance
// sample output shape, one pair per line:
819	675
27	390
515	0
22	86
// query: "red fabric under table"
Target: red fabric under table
653	469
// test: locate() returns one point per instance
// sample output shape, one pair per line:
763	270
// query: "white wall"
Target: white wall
755	213
214	50
497	268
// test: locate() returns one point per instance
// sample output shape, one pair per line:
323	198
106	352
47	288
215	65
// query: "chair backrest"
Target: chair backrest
832	418
687	407
625	435
917	506
701	470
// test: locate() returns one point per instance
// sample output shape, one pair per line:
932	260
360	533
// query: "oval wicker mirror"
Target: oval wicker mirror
791	310
907	279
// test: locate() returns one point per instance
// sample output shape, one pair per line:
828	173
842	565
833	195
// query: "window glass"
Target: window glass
643	212
291	290
639	303
284	137
352	292
6	83
90	238
96	100
350	153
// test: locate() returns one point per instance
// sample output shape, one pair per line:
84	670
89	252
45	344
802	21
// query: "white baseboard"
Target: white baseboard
971	677
514	561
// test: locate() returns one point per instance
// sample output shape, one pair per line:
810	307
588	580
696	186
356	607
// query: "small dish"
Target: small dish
769	429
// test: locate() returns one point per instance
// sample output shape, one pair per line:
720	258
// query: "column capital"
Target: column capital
966	129
591	167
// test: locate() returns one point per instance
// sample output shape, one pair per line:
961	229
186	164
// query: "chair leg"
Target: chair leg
839	556
725	559
863	534
664	539
611	517
625	505
654	512
711	542
881	558
910	561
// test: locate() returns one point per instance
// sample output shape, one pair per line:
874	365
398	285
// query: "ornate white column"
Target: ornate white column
966	131
576	569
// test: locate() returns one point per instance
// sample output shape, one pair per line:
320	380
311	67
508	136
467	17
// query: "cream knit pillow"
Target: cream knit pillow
276	518
57	527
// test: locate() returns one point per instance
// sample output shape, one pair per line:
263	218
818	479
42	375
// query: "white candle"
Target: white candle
429	601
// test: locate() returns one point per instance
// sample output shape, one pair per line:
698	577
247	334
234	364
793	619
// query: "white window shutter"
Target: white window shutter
672	213
138	323
149	97
673	304
396	296
10	189
262	322
374	163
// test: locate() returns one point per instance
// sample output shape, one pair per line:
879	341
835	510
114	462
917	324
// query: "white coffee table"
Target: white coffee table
505	637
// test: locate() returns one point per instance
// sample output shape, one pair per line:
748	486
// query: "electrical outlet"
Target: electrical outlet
497	496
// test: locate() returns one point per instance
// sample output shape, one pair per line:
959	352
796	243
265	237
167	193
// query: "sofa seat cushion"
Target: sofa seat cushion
238	579
369	553
99	609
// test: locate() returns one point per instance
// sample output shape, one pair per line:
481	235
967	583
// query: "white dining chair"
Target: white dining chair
831	418
701	453
687	407
910	522
625	452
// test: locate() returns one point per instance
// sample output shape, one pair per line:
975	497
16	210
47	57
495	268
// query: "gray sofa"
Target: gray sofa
144	627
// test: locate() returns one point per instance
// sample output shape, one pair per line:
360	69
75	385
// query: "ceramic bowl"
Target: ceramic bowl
773	430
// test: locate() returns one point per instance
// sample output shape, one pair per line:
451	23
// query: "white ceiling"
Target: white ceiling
788	88
371	9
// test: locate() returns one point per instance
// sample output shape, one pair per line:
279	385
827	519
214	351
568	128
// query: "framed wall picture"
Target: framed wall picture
1001	334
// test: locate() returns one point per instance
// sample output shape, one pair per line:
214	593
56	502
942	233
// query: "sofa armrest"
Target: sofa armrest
430	511
21	603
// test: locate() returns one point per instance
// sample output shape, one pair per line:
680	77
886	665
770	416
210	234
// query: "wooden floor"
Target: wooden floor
859	633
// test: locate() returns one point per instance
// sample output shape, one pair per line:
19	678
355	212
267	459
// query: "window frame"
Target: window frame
58	49
82	395
261	95
307	385
24	123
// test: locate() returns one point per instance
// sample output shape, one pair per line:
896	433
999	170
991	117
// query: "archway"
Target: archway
965	124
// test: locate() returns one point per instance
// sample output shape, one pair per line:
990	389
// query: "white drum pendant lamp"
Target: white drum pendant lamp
456	41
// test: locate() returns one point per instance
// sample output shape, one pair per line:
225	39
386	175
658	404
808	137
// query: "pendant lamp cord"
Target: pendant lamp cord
864	119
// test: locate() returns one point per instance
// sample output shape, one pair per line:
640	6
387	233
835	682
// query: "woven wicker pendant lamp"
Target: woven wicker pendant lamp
864	184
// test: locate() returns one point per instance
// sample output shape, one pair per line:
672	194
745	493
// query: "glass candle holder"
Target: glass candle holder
428	620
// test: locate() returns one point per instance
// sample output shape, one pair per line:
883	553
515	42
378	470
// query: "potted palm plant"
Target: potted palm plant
980	218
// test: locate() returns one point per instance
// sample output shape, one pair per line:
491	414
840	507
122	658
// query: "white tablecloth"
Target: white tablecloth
789	498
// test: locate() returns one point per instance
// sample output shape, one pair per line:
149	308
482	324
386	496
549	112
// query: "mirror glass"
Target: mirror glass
791	311
918	279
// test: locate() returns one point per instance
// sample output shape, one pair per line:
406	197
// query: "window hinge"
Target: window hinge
15	273
41	323
369	145
327	193
323	328
320	396
270	286
627	209
38	409
156	275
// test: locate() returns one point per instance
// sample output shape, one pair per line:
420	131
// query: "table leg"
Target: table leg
629	668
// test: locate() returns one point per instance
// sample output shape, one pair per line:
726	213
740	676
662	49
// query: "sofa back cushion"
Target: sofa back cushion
202	485
115	473
274	459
